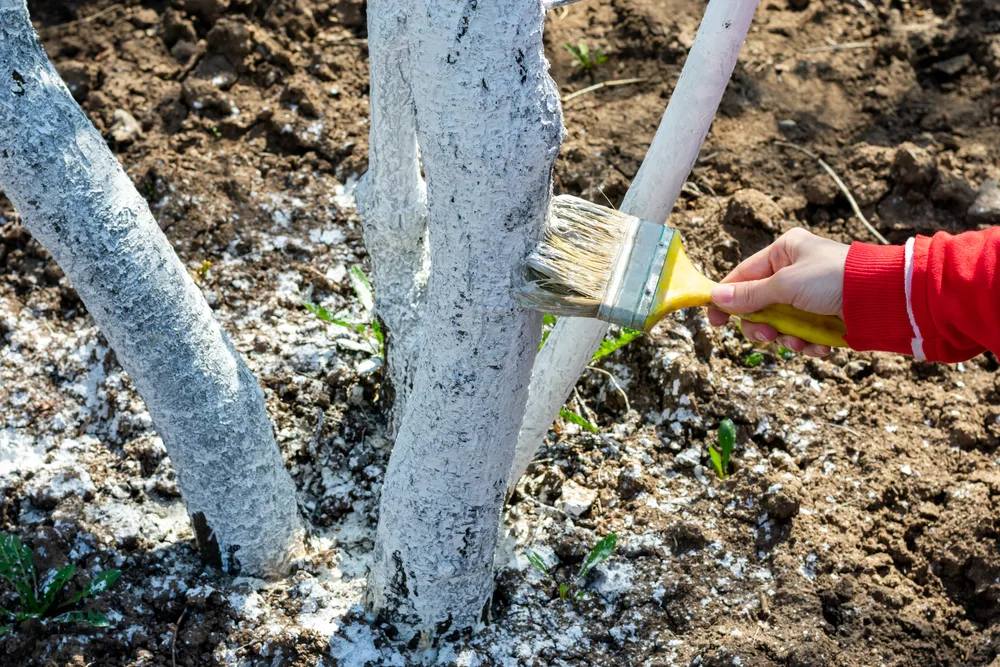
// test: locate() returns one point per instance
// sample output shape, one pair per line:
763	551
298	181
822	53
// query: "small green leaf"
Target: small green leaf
563	590
53	583
610	345
363	288
785	353
93	618
727	439
574	418
319	311
600	553
325	315
580	595
537	562
716	457
97	585
754	359
4	629
379	336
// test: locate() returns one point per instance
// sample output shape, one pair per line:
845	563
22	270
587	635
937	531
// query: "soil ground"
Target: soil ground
859	527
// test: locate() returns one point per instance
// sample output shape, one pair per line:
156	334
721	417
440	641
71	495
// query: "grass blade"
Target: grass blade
536	561
363	288
17	565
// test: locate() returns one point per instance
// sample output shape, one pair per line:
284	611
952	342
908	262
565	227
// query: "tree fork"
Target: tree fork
488	126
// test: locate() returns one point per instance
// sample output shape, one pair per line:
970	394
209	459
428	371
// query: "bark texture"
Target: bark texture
392	197
488	126
651	196
77	201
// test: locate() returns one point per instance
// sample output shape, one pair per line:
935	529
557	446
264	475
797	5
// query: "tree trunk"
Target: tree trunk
392	197
488	125
671	156
76	200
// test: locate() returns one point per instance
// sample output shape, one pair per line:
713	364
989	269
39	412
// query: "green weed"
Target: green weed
727	440
574	418
609	345
754	359
202	273
785	353
368	328
35	597
217	133
584	58
600	553
548	321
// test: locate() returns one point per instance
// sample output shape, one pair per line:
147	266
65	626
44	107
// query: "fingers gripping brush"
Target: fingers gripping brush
597	262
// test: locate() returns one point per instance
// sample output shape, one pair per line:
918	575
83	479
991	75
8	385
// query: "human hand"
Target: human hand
799	269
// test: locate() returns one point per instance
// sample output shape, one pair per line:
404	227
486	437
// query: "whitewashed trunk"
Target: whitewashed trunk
489	126
654	190
392	197
76	200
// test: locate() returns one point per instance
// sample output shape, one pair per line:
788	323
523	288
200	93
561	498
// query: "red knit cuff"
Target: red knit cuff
875	299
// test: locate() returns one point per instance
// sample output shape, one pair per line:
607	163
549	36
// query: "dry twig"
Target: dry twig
598	86
85	19
843	188
628	407
173	639
840	47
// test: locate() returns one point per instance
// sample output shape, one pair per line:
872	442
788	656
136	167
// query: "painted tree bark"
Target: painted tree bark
674	150
488	125
77	201
392	197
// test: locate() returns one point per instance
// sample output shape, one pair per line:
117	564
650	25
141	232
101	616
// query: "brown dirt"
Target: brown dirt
859	527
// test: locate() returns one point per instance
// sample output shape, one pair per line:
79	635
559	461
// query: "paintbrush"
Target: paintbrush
598	262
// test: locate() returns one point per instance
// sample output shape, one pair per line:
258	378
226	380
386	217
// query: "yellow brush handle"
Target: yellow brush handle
681	285
820	329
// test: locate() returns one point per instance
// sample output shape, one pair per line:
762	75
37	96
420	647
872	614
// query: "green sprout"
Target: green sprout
369	327
574	418
754	359
785	353
600	553
609	345
727	440
217	133
548	321
35	597
584	58
201	274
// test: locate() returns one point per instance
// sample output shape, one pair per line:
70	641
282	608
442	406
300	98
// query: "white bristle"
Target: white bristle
569	271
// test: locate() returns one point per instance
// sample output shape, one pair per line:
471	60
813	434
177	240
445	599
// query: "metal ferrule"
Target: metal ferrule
629	298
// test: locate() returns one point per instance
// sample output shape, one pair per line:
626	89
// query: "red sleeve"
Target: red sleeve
935	298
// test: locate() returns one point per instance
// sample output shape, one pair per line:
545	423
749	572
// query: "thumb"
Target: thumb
747	296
